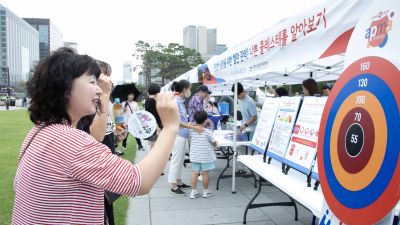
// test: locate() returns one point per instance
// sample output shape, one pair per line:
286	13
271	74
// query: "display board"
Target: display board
265	124
358	145
303	144
314	173
283	127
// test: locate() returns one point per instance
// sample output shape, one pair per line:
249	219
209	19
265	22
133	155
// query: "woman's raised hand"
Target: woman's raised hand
167	108
104	82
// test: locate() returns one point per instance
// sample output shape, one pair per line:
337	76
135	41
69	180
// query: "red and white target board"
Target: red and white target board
359	142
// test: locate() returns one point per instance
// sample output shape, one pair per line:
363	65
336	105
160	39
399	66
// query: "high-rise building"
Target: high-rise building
72	45
127	71
140	80
190	37
212	41
19	47
221	49
50	37
203	40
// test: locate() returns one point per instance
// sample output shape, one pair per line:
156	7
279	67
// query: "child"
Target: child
202	154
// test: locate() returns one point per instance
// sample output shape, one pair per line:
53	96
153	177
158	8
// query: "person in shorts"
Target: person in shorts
202	154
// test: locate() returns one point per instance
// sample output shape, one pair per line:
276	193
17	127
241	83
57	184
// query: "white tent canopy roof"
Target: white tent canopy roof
317	54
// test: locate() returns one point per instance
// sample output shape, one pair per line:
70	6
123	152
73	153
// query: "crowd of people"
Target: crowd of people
71	150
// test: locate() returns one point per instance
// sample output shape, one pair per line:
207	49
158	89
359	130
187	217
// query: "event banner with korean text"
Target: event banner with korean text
320	31
283	127
265	124
303	144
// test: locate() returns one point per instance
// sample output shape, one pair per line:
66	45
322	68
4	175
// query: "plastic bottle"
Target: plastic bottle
118	114
219	127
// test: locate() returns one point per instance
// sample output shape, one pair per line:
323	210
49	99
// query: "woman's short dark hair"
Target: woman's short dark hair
311	86
154	89
215	104
51	85
179	86
281	92
106	70
105	67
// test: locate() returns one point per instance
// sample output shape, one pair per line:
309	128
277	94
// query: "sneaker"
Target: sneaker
200	178
141	148
178	191
194	194
119	153
124	148
207	194
184	186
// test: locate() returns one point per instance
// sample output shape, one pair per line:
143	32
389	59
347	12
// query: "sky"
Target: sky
108	30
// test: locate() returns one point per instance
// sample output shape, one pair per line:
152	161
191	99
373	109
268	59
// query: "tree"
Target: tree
171	60
145	52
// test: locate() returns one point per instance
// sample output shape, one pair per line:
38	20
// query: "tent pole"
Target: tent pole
234	137
265	90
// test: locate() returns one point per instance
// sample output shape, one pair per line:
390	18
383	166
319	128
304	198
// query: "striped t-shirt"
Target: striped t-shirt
62	176
201	149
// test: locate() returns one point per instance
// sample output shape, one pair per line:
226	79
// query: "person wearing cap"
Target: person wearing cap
196	103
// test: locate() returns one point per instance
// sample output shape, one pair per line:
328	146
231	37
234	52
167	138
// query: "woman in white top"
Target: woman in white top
130	106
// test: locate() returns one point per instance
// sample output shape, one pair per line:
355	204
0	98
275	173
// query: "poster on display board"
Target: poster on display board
358	144
265	124
303	144
283	127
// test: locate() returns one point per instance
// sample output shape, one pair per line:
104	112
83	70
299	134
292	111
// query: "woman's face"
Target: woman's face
305	91
130	97
84	97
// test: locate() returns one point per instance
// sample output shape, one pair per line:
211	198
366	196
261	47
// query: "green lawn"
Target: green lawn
14	126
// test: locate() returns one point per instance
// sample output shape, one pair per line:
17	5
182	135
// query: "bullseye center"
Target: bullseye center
354	140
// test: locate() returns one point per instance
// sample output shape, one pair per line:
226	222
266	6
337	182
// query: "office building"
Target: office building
221	49
203	40
50	37
127	71
72	45
19	48
190	37
212	41
140	80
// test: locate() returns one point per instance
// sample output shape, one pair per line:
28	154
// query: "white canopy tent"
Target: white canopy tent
310	44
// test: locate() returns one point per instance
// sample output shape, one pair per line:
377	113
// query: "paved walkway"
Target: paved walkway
160	207
3	108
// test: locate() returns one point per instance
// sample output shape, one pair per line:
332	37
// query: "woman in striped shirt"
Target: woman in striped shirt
63	172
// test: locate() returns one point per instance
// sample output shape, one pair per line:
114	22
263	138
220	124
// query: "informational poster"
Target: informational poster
265	124
314	173
283	127
303	144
